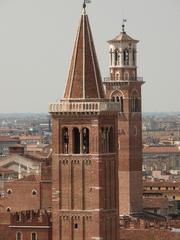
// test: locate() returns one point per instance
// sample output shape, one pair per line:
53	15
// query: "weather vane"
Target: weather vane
84	4
123	25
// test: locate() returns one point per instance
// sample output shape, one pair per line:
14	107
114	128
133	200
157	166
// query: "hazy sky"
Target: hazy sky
37	37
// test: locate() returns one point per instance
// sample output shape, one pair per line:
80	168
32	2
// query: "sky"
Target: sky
37	37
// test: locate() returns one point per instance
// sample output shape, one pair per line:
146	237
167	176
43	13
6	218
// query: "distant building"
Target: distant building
161	158
6	142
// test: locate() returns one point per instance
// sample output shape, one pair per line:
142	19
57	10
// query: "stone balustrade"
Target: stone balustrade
83	107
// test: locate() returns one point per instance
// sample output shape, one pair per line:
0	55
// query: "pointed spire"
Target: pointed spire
84	79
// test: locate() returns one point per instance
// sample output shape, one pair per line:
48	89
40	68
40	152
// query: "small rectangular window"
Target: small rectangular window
76	226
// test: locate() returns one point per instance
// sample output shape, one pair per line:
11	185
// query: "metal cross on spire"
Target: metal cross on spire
84	4
123	25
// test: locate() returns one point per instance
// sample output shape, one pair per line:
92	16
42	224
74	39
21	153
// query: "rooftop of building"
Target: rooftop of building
123	37
161	183
155	202
161	149
8	139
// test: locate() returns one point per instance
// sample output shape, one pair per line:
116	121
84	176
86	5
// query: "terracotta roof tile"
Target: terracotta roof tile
161	149
8	139
123	37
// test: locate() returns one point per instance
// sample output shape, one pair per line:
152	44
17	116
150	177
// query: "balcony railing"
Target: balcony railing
133	79
83	107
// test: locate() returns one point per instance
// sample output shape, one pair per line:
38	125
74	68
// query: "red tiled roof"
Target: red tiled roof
161	183
8	139
123	37
161	149
84	80
30	137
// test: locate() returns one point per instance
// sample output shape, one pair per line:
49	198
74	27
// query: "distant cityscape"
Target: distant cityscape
95	168
29	136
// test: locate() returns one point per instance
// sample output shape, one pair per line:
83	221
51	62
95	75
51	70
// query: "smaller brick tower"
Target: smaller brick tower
85	161
123	86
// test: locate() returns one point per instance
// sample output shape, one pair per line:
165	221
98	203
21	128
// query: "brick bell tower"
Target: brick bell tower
124	87
85	162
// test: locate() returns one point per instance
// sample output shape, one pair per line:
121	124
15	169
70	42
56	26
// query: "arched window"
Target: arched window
85	140
134	56
117	99
111	140
135	103
126	57
9	191
33	236
76	141
65	140
107	140
8	209
19	236
122	104
116	57
103	136
111	55
113	99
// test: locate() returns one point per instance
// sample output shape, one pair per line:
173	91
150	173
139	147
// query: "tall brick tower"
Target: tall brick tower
123	86
85	162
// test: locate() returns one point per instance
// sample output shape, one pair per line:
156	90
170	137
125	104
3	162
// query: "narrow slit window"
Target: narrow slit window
85	140
65	140
18	236
76	141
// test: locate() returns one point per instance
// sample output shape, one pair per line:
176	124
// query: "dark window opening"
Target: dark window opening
9	191
85	140
107	136
126	57
76	141
76	226
135	104
34	192
111	140
8	209
122	105
65	140
103	136
117	99
134	57
116	56
34	236
18	236
111	55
